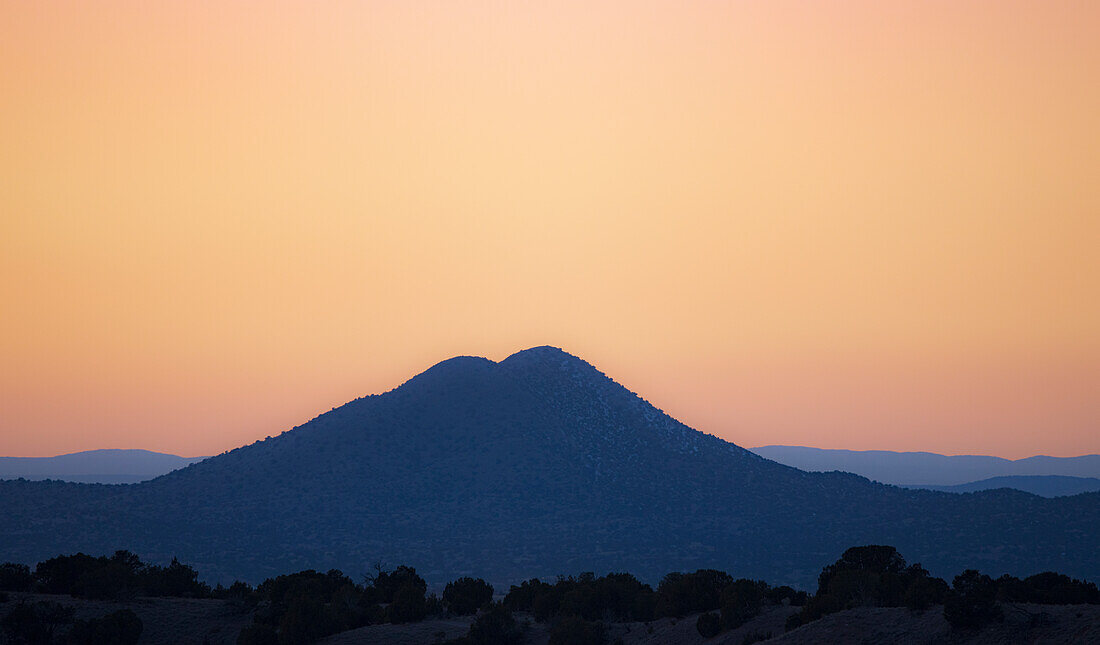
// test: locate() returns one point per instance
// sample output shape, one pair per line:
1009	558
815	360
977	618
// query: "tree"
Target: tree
741	601
924	592
683	593
972	601
15	577
409	604
384	585
466	595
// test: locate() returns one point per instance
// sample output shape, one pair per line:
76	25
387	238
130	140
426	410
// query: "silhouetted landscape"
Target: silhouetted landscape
1042	485
533	466
106	466
121	600
930	469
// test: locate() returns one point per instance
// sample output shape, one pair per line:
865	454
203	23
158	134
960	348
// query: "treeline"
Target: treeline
303	607
878	576
113	577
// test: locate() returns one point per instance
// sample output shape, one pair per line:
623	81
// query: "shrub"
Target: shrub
924	592
305	621
121	627
683	593
385	584
575	630
522	598
495	626
788	595
618	595
34	623
708	625
755	637
409	605
741	601
466	595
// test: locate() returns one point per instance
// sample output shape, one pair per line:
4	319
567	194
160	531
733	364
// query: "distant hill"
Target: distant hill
95	466
926	468
1044	485
533	466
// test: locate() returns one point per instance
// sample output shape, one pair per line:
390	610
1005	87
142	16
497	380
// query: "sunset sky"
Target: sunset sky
864	224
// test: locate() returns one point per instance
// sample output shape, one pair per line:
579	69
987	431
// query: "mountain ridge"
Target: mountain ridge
927	468
104	465
539	464
1042	485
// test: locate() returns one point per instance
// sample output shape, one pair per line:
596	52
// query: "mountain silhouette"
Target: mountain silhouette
105	466
927	468
1044	485
533	466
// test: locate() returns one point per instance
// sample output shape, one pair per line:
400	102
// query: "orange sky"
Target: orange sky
843	224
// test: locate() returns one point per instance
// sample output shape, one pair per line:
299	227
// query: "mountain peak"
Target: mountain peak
541	354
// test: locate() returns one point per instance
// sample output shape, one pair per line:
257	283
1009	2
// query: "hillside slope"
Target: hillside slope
536	465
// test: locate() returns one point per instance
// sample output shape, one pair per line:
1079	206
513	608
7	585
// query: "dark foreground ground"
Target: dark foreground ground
217	622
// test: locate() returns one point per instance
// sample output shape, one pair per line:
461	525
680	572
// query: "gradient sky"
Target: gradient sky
861	224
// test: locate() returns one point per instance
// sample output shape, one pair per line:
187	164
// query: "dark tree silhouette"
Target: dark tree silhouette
466	595
972	601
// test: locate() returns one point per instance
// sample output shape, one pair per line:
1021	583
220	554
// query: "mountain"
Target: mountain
927	468
533	466
1042	485
95	466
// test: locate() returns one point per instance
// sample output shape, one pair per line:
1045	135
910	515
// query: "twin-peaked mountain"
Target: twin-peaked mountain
533	466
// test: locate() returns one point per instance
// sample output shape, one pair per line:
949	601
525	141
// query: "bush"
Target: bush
384	585
618	595
684	593
409	605
466	595
34	623
924	592
122	627
577	631
495	626
755	637
972	601
784	594
305	621
708	625
741	601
